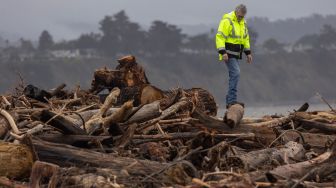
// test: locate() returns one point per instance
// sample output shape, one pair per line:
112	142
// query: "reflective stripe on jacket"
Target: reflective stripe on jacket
232	36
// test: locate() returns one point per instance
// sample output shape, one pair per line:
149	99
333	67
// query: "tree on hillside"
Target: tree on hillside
88	41
327	37
163	37
26	45
273	46
201	42
253	37
325	40
120	35
45	41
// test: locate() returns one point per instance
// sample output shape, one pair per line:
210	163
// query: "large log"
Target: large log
16	160
66	156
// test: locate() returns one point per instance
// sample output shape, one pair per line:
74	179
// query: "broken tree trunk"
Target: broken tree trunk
127	74
16	160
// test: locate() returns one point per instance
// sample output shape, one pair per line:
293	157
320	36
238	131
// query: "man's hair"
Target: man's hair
241	8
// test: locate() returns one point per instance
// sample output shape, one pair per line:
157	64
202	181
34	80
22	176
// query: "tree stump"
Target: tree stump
15	160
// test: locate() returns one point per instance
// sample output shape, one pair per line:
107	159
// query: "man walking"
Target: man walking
232	39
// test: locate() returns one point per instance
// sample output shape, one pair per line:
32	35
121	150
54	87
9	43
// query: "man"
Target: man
232	39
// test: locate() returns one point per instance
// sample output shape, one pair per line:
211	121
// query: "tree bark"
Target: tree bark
16	160
234	115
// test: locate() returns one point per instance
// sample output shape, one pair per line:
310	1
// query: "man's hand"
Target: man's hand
249	59
225	57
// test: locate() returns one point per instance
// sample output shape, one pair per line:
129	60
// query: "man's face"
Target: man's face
240	15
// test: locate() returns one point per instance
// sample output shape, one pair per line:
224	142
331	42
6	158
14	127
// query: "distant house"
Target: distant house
23	56
74	53
65	53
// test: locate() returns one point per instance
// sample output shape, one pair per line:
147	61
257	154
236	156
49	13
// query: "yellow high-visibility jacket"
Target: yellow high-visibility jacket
232	37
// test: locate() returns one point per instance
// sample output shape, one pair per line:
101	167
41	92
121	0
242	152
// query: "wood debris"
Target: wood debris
141	136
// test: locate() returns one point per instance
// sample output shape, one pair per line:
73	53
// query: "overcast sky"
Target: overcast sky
68	18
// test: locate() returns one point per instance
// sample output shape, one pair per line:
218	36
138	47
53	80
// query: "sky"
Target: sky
66	19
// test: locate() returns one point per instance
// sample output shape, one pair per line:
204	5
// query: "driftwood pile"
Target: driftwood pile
140	136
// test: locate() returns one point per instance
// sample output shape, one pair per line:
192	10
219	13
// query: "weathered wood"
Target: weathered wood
16	160
10	120
118	116
298	170
263	134
65	156
42	171
166	113
260	158
5	182
203	100
325	127
106	79
4	127
139	139
110	100
127	74
73	139
234	115
124	140
146	113
276	122
58	121
150	94
58	90
97	118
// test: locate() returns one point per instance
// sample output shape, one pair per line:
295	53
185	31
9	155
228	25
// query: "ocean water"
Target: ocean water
260	111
